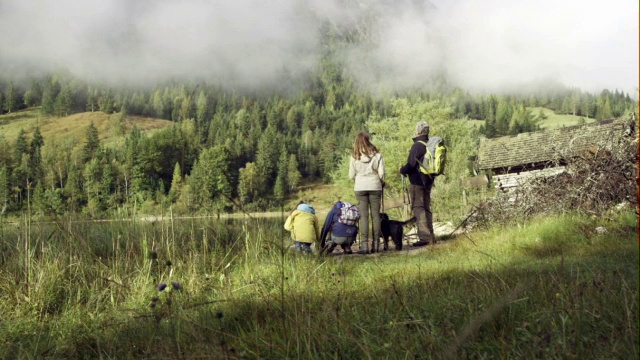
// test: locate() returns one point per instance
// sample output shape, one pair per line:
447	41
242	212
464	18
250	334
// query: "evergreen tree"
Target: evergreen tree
293	174
48	98
92	186
280	188
63	102
251	184
176	183
33	95
202	108
108	185
11	98
73	192
267	155
210	181
92	99
106	103
39	199
20	148
5	194
35	163
92	143
503	116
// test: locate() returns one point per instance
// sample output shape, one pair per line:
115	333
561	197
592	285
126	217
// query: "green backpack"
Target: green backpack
435	157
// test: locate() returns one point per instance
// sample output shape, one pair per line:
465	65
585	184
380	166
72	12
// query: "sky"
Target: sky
488	45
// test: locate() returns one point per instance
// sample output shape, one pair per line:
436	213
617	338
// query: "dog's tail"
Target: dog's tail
412	220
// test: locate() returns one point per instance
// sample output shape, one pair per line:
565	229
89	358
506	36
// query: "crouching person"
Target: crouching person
341	223
304	227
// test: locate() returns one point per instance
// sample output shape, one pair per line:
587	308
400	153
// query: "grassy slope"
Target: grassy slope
74	126
552	288
553	120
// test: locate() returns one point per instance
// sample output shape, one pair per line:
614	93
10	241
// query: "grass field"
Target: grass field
111	128
555	121
550	288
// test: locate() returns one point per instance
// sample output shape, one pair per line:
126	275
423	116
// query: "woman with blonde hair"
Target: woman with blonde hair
366	169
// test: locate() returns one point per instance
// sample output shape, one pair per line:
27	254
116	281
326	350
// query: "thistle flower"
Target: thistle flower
176	285
161	286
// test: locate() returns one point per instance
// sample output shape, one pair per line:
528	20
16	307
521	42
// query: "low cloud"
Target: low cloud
481	46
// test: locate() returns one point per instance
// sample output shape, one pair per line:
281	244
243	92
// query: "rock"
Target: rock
601	230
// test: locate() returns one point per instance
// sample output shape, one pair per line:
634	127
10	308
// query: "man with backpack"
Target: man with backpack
420	185
341	222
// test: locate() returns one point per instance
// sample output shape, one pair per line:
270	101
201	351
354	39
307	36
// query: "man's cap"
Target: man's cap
422	128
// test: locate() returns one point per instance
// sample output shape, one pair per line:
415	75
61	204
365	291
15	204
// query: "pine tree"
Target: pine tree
33	95
280	188
11	99
35	160
73	189
20	148
106	103
92	144
251	184
63	102
176	183
5	195
39	199
202	108
267	155
293	174
48	98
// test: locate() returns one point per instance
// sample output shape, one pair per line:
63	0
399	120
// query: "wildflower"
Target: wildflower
176	285
161	286
168	263
153	255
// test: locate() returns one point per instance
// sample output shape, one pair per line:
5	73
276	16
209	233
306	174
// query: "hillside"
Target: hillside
554	120
111	128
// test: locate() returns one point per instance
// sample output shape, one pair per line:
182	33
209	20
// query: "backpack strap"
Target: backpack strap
426	148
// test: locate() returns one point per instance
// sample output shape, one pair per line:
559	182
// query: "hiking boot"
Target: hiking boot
348	251
421	243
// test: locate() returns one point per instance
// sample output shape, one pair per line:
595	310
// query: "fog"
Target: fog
480	45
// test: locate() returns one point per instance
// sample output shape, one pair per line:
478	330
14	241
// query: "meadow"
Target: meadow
112	128
552	287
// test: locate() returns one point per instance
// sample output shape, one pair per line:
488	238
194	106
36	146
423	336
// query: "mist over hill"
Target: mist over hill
389	45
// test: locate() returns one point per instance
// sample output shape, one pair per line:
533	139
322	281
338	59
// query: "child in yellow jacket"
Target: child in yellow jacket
304	227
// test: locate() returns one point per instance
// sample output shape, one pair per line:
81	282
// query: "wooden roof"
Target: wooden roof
530	150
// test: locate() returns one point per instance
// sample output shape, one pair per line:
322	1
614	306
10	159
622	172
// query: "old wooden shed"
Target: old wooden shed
512	160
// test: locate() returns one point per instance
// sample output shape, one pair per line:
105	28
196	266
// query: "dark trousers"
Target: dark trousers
369	203
421	207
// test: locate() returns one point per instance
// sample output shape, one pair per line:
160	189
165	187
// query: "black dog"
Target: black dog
391	229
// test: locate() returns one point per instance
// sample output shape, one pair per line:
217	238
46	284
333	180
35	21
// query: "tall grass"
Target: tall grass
549	288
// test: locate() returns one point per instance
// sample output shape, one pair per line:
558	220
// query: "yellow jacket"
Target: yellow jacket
304	227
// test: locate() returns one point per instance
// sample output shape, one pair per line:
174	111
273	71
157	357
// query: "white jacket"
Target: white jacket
368	172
